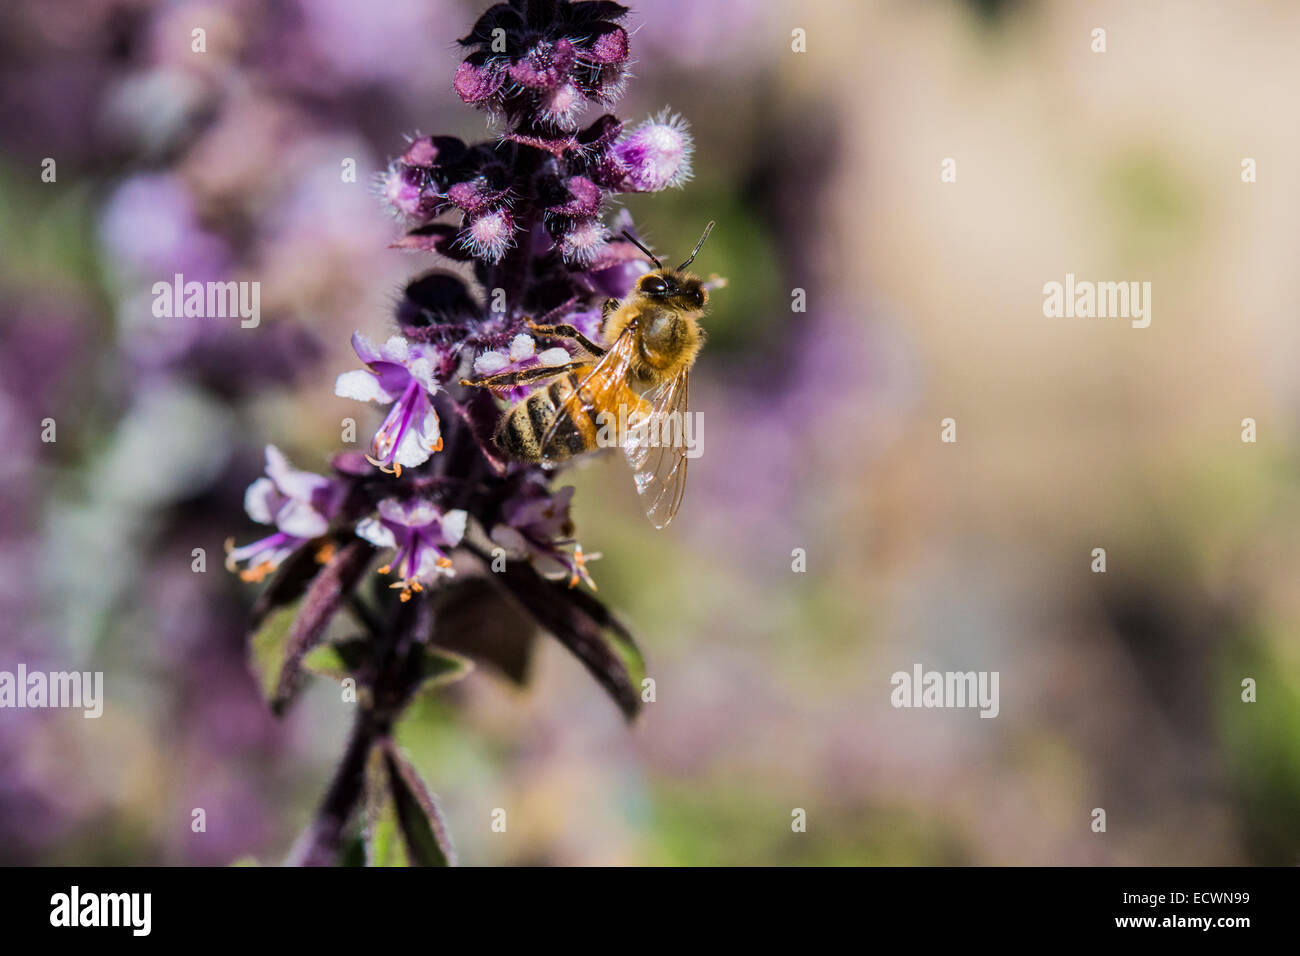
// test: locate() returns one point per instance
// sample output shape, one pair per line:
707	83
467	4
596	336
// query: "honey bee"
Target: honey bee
633	390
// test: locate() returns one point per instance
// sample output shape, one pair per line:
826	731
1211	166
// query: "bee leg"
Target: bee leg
525	377
567	332
607	308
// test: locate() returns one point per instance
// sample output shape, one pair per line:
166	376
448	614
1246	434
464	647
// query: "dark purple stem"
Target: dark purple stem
395	676
322	841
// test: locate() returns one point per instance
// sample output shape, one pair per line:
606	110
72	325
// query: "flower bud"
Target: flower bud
402	188
581	199
609	47
583	241
545	66
654	156
474	196
475	83
489	235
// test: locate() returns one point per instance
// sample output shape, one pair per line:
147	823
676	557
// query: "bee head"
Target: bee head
678	289
675	286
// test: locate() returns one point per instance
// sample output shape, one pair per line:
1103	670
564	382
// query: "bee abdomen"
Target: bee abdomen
524	426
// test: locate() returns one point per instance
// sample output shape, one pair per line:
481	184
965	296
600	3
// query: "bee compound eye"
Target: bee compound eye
654	286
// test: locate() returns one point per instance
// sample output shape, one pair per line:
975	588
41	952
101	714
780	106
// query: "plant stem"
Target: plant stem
394	653
320	843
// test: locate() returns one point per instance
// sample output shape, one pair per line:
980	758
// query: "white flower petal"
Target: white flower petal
376	532
390	509
522	346
262	500
551	567
420	513
510	539
396	349
430	568
275	462
363	386
418	441
421	370
301	485
300	520
453	526
490	362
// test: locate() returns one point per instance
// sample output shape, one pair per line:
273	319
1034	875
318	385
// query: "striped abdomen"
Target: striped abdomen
521	430
523	427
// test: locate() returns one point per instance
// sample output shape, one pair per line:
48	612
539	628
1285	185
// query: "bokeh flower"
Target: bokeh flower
536	525
299	504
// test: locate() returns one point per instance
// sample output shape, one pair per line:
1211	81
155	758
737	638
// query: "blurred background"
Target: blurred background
924	301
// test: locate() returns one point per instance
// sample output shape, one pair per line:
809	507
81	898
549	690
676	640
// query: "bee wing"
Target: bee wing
656	450
601	389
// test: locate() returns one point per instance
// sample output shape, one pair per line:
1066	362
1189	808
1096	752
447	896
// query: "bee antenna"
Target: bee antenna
636	242
707	229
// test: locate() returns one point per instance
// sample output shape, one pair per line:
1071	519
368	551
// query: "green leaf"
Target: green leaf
384	846
338	659
421	822
403	826
266	648
439	668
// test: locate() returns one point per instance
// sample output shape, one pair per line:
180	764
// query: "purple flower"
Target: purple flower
654	156
419	533
401	374
299	503
151	228
537	526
